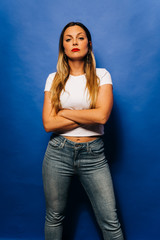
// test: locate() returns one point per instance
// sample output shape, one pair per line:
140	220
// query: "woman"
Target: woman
78	102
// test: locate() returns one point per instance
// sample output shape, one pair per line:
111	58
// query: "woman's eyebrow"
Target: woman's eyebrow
80	33
68	35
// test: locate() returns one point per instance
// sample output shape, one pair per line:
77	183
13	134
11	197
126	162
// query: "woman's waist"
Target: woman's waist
74	141
81	139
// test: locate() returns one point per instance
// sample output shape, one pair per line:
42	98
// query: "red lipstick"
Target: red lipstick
75	50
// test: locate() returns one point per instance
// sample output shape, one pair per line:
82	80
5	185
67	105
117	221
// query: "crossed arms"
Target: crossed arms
66	119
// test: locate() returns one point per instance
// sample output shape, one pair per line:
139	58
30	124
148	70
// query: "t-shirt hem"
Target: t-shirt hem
91	135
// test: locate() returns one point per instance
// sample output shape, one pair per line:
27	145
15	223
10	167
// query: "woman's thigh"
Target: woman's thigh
95	177
99	188
57	171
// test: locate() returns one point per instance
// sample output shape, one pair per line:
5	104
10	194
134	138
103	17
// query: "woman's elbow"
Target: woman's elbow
103	118
47	129
47	126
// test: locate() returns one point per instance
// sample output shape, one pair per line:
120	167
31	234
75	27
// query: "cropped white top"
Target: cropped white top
75	96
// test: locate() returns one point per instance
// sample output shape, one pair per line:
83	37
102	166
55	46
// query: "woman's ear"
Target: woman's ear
90	44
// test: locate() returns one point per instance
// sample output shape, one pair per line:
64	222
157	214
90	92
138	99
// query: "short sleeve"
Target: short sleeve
49	81
104	76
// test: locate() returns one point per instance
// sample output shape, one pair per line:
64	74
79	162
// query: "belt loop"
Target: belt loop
87	147
64	140
63	143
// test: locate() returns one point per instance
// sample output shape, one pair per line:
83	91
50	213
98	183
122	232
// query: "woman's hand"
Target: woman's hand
62	112
54	122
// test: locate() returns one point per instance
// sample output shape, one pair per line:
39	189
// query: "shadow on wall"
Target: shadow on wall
78	202
113	138
113	142
76	225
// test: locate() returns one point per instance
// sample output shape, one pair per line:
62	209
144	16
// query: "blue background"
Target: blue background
126	37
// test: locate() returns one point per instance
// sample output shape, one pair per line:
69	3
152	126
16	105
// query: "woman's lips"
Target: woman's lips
75	50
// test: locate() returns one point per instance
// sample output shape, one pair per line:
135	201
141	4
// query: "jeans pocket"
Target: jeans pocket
55	143
97	148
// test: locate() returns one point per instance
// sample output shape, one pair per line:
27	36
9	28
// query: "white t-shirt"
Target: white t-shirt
75	97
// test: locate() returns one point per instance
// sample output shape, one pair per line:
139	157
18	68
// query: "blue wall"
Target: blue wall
126	37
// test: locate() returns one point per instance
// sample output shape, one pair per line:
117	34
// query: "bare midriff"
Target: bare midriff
80	139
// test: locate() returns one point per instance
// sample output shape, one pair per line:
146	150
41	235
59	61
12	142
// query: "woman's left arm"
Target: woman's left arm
99	114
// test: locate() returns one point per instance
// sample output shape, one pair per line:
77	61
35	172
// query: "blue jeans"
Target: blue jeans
63	159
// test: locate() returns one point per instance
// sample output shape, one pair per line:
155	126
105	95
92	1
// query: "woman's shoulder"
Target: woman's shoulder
101	72
49	81
104	76
52	75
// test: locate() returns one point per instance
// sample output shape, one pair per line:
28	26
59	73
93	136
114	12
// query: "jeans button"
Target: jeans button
77	145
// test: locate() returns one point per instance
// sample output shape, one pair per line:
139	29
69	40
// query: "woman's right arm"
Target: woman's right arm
51	121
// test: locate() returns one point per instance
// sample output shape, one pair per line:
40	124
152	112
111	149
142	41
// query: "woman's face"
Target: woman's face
75	43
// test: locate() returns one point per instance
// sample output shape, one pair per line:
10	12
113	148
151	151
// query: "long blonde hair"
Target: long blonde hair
63	71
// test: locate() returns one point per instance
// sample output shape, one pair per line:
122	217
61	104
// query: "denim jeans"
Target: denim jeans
63	159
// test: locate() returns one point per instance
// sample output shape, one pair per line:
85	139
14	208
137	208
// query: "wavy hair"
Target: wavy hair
63	71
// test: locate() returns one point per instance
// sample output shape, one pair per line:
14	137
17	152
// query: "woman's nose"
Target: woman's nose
75	41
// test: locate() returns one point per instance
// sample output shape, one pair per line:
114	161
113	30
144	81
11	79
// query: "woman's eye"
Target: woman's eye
81	38
67	40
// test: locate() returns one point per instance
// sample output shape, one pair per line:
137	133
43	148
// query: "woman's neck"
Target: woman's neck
76	67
